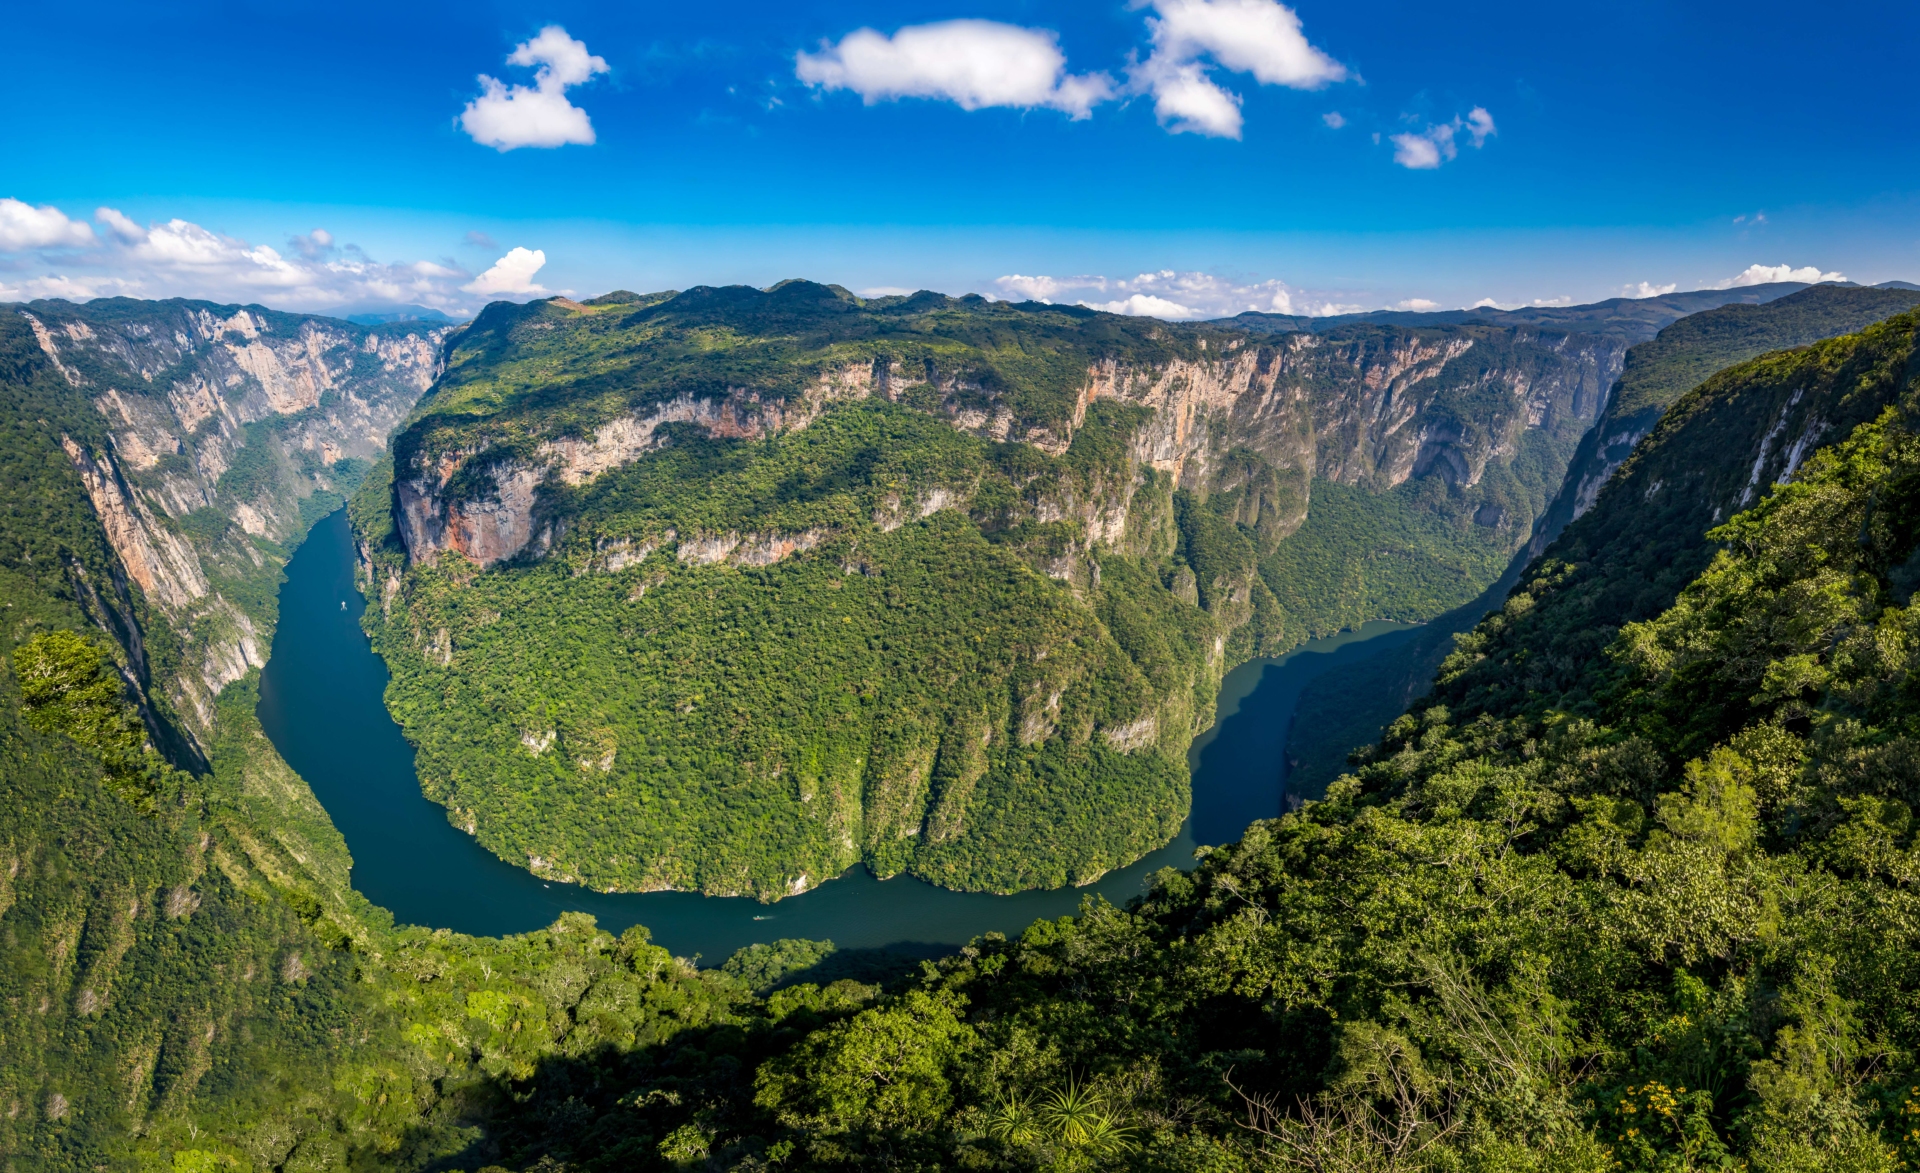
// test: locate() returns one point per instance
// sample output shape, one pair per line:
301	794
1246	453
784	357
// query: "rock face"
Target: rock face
1367	406
222	425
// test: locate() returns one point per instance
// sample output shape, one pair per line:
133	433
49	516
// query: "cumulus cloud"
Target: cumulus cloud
1259	37
1168	293
23	226
1417	304
506	117
971	63
1648	289
1426	150
179	258
1767	274
1334	119
512	273
979	63
122	228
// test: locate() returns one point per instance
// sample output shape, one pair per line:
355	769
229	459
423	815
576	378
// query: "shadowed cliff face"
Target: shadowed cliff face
226	427
1716	451
1658	372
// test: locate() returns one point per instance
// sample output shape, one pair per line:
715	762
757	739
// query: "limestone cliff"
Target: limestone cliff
1369	407
226	427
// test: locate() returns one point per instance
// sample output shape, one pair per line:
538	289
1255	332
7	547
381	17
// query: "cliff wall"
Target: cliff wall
226	428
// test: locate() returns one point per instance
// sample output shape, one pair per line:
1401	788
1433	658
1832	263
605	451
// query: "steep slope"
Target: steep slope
1336	715
208	438
1659	371
944	586
1627	558
1676	931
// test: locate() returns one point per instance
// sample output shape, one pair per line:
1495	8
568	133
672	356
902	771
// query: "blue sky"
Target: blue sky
1615	145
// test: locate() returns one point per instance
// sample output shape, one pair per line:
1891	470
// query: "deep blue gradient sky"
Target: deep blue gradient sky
1631	135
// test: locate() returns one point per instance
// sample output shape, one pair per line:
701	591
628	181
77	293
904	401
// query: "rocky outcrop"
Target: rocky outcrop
1659	371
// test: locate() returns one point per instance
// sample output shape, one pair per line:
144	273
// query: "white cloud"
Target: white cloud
980	63
1767	274
1641	289
1334	119
1480	125
1145	305
512	273
23	227
505	117
1488	303
971	63
1168	293
1259	37
1186	100
1246	36
178	258
1417	304
886	291
120	226
1426	150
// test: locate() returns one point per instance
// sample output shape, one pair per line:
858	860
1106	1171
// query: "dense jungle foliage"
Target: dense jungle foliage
1661	919
1687	353
919	697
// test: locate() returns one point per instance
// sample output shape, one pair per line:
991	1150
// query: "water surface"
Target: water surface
321	704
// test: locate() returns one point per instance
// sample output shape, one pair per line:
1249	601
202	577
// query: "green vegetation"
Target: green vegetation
1632	890
1686	353
1363	556
919	697
815	613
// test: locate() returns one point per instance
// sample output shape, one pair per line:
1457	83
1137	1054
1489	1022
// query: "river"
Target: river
321	704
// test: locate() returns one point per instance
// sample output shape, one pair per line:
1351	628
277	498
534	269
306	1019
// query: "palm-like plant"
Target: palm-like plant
1012	1120
1077	1115
1108	1139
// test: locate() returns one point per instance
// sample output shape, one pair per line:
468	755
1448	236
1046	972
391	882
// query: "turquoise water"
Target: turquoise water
320	703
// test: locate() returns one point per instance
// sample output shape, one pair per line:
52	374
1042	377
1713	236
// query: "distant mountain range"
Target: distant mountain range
1633	318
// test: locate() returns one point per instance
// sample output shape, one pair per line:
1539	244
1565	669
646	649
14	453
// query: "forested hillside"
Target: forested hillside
1336	715
730	589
